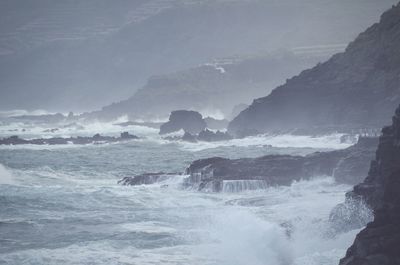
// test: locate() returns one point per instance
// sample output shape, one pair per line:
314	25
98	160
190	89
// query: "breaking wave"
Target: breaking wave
6	176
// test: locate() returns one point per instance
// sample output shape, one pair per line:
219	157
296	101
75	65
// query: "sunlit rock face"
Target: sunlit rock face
355	89
378	243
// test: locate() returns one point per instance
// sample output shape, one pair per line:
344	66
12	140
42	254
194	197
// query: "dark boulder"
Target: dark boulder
210	136
13	140
187	137
127	136
189	121
146	179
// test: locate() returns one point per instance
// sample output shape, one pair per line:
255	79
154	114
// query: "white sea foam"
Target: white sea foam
283	141
19	112
6	176
160	223
151	225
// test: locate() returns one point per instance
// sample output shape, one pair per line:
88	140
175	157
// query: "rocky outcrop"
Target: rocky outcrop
189	121
355	89
203	136
210	136
346	166
146	179
220	174
378	243
187	137
97	138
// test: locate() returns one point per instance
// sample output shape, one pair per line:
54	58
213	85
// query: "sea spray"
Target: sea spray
239	237
6	176
76	189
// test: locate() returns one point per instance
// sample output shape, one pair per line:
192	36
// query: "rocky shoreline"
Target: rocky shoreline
378	243
346	166
97	138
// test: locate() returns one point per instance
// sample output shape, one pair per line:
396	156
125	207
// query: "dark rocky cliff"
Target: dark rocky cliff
379	242
355	89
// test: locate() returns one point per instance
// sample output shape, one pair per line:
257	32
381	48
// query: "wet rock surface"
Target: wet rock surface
203	136
220	174
97	138
146	178
379	242
189	121
210	136
346	166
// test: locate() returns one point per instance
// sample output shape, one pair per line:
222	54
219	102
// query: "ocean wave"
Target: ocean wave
281	141
6	176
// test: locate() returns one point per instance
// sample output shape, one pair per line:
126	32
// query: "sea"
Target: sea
62	204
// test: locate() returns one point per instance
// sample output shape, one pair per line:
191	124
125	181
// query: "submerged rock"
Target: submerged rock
97	138
146	179
127	136
346	166
210	136
155	125
379	242
187	137
189	121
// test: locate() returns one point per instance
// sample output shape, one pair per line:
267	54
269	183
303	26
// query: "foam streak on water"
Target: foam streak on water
64	206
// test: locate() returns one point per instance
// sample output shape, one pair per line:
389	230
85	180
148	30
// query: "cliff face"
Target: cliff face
379	242
355	89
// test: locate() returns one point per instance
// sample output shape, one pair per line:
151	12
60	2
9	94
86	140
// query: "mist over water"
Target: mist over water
62	205
72	69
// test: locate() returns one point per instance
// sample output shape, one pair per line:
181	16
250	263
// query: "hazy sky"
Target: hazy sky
81	55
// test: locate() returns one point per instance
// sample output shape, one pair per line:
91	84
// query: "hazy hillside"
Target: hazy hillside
80	55
213	89
355	89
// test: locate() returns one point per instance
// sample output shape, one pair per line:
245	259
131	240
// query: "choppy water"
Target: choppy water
62	205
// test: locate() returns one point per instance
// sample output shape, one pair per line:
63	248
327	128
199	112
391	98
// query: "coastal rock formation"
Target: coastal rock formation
210	136
189	121
220	174
97	138
346	166
356	89
146	179
187	137
379	242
